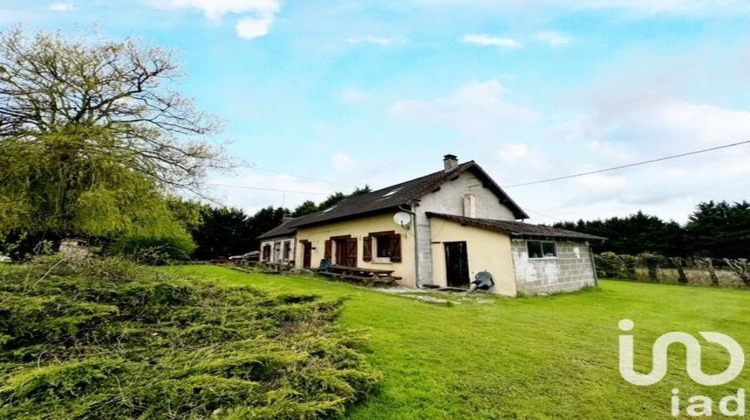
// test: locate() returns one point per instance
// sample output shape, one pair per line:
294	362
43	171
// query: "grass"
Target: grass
530	357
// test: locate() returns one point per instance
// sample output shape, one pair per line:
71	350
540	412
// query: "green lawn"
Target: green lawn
531	357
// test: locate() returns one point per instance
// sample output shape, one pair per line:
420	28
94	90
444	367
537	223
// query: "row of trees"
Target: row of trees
714	229
225	231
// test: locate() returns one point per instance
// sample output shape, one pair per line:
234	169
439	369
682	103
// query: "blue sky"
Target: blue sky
356	92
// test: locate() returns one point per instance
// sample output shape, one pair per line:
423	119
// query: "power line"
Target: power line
630	165
543	215
255	167
267	189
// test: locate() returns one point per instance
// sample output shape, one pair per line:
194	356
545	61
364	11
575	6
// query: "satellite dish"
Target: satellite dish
402	218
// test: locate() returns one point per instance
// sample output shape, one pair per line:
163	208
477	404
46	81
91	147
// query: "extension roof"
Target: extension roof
392	197
516	229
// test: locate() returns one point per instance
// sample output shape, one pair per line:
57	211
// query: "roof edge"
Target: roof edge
486	224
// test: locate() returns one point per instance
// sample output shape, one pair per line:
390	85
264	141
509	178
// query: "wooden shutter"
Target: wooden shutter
327	254
367	248
351	252
396	248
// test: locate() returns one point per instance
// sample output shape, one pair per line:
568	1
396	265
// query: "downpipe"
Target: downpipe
416	245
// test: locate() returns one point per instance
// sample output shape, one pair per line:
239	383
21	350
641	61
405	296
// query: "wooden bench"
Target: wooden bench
277	267
368	276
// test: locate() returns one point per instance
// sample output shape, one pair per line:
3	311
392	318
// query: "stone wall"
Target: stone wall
570	271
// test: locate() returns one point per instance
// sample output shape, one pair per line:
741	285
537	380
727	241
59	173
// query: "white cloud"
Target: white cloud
251	200
521	158
354	95
629	128
257	16
61	7
554	39
250	28
341	161
648	7
215	9
475	108
491	41
377	40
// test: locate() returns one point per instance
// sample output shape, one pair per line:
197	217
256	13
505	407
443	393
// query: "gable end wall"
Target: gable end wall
450	200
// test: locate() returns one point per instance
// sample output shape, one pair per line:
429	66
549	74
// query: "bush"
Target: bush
629	266
608	264
106	338
652	263
155	250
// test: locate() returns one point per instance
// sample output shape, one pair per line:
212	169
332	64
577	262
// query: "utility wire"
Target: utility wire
267	189
256	168
630	165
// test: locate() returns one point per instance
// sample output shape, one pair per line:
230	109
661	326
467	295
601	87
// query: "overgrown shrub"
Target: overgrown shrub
651	262
106	338
629	266
154	250
608	264
697	271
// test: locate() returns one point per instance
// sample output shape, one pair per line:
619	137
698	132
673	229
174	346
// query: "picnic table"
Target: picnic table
369	276
277	267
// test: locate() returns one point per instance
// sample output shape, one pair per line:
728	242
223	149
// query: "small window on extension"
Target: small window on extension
541	249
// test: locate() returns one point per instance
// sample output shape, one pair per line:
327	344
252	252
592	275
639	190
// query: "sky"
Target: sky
324	96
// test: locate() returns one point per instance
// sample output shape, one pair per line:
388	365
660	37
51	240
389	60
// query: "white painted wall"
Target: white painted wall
277	249
487	251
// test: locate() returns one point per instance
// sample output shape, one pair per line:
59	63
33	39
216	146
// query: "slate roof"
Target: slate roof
392	197
517	229
286	229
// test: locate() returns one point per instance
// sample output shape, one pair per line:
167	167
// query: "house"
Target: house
279	244
459	222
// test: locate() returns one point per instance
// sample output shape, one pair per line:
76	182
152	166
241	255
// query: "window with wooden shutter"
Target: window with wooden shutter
382	247
367	248
396	248
327	254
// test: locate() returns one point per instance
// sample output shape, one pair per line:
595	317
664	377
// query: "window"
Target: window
383	246
390	193
287	250
541	249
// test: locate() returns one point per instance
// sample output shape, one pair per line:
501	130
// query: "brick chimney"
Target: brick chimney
450	162
286	218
